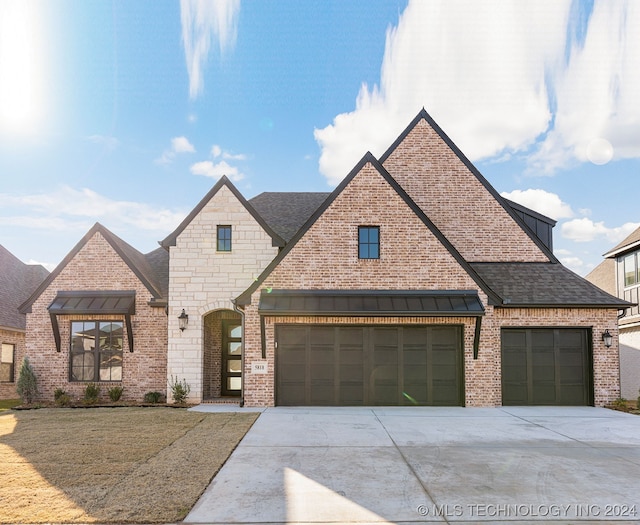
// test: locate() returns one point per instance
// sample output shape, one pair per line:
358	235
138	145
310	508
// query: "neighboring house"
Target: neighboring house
619	274
412	283
17	282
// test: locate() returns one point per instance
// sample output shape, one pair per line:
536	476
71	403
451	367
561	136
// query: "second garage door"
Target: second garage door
330	365
546	366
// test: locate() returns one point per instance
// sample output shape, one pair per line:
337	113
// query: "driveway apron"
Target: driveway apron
423	464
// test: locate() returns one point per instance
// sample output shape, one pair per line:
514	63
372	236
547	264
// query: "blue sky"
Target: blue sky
127	113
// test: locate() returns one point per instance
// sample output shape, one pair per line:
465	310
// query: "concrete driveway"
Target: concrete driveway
417	465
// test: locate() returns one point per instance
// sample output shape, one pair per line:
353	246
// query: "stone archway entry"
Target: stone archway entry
222	343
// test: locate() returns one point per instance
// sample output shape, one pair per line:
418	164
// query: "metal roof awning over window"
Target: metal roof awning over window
429	303
99	302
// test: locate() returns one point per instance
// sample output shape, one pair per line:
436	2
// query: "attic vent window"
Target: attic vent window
224	239
368	242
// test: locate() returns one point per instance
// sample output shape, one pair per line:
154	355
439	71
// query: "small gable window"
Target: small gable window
368	242
224	238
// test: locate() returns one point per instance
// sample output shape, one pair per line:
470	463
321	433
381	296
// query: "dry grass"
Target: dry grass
110	465
6	404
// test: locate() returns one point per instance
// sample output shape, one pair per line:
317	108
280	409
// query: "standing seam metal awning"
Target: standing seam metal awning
373	303
98	302
432	303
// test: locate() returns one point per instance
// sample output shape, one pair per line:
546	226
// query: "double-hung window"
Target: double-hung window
7	357
96	350
224	239
368	242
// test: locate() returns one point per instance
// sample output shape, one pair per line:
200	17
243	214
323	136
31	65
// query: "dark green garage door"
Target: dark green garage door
546	366
359	365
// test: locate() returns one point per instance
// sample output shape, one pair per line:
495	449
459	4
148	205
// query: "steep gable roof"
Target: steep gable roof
286	212
17	282
632	242
146	268
424	116
170	240
245	297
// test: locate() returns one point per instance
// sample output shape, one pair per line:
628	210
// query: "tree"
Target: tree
27	382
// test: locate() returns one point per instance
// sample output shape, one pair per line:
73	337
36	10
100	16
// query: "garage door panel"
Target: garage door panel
360	365
546	366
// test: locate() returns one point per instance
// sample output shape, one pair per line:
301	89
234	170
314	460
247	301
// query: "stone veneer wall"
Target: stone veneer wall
12	337
456	201
98	267
201	279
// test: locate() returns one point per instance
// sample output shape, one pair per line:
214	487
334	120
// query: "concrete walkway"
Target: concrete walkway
417	465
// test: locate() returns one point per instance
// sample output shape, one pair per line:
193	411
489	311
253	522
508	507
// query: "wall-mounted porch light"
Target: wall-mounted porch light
607	338
183	320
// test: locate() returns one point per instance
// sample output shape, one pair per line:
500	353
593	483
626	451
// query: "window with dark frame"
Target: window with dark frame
7	357
96	351
631	270
368	242
224	238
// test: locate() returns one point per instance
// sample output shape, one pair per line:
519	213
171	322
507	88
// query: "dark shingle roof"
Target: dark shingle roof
543	284
17	282
286	212
158	260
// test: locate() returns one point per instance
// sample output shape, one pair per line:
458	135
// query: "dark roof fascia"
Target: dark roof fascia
112	239
170	240
551	222
622	251
245	297
501	200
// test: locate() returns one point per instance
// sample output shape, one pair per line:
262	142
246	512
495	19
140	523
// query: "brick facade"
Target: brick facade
97	266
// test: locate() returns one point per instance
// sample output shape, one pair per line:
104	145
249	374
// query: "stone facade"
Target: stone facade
97	266
203	280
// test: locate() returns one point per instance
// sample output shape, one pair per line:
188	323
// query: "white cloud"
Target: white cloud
48	266
216	151
203	21
182	145
598	116
108	142
585	230
542	201
71	209
233	156
573	263
209	169
482	77
178	145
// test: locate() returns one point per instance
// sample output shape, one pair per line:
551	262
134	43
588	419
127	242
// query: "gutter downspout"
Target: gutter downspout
241	312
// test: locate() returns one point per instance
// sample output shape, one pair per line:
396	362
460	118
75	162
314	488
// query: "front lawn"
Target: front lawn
6	404
136	465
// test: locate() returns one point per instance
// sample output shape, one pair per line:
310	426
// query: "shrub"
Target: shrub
179	390
58	393
91	393
115	393
27	386
153	397
63	400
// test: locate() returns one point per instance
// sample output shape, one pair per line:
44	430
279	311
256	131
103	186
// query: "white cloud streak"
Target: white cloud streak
585	230
215	171
204	21
498	76
71	209
542	201
178	145
110	143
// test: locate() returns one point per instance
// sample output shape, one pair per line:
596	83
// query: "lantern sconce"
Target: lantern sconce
607	338
183	320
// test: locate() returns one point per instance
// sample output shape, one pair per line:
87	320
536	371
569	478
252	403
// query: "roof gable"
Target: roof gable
632	242
447	247
170	240
140	265
458	199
